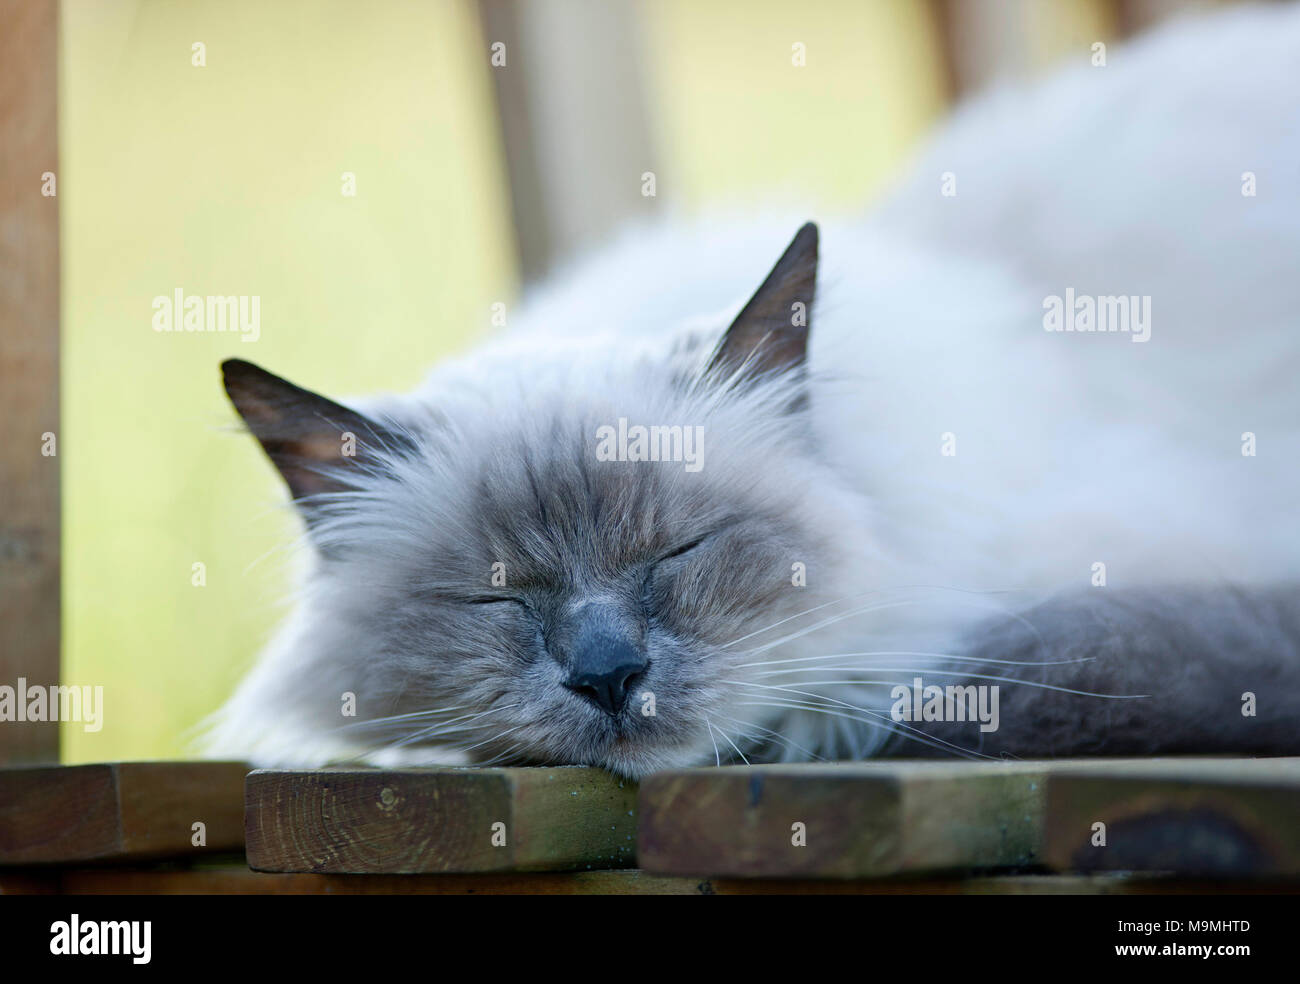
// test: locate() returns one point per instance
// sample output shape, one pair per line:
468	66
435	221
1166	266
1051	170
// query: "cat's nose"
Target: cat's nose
607	688
603	655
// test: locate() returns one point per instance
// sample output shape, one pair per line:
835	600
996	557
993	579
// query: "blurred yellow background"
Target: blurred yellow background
227	179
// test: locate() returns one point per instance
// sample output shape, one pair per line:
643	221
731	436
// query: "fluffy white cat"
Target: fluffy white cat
1043	436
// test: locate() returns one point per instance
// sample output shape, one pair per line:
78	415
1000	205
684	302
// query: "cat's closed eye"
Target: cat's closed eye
685	548
495	600
659	575
506	606
513	615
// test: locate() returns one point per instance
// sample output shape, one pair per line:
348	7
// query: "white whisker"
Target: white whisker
894	725
940	656
887	724
965	675
396	718
733	745
859	597
717	757
775	736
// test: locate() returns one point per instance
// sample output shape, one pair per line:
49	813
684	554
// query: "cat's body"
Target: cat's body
940	497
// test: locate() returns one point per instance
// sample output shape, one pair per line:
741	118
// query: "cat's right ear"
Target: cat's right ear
770	335
317	445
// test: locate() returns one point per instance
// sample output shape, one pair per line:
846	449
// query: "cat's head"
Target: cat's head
564	553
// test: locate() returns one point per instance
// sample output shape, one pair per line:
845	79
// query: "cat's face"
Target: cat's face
589	611
536	580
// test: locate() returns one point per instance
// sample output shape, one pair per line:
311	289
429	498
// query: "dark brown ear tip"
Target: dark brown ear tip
807	233
233	368
237	372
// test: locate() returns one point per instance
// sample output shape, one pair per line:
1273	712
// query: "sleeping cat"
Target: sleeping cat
1007	467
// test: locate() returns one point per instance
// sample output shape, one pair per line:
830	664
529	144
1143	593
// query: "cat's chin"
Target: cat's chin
635	759
637	763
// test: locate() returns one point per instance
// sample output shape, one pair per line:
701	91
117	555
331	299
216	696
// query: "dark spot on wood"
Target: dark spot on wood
1200	841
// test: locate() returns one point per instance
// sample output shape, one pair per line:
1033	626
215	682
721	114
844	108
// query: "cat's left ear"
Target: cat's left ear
770	335
317	445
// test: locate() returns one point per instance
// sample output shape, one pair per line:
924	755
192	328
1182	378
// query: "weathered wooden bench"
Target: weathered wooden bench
1119	826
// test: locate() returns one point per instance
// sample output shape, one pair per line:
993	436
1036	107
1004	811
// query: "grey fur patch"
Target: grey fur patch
1194	651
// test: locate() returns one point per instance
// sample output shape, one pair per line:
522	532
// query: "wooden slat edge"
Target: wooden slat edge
238	880
160	804
119	811
859	821
1216	825
436	820
58	813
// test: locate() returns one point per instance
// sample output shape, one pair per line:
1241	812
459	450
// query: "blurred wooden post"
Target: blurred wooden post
29	366
988	41
984	40
1135	16
574	124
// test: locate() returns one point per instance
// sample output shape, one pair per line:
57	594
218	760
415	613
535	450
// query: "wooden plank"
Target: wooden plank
1220	817
24	881
126	810
29	367
365	821
859	820
1193	816
239	880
